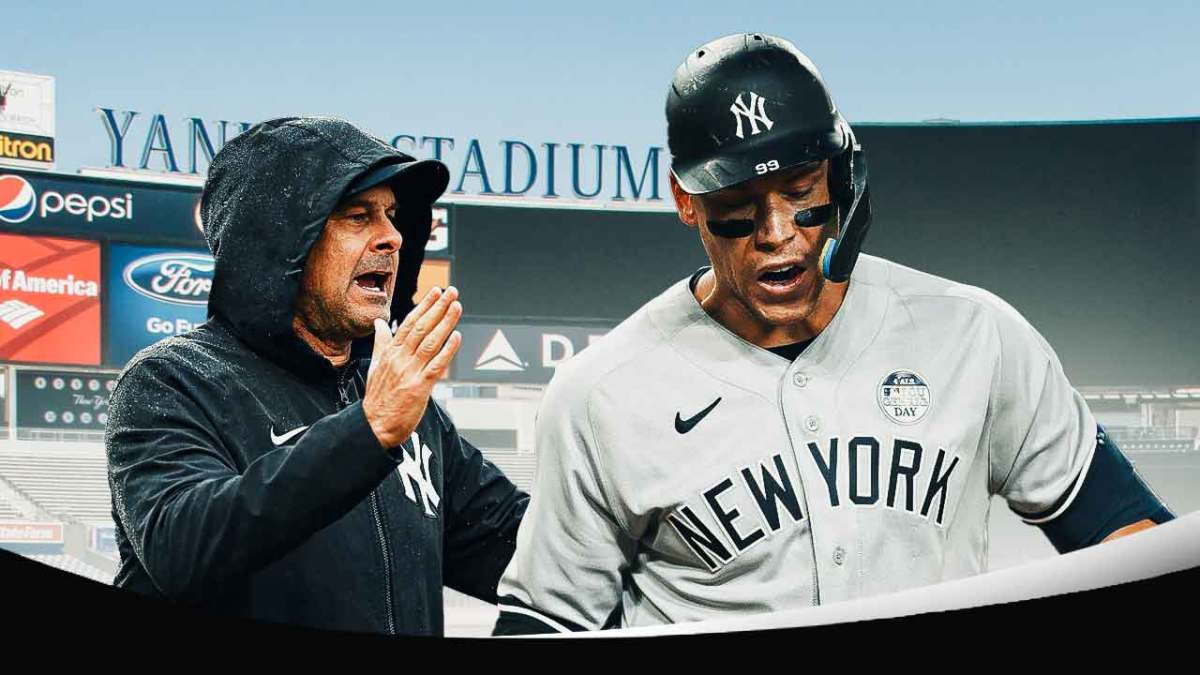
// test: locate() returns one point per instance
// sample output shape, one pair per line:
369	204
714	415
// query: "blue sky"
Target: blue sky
593	73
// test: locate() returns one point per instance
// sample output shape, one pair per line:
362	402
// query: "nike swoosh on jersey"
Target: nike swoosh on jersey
287	435
683	426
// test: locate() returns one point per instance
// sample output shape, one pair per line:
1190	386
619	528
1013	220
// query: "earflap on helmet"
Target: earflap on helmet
848	183
841	166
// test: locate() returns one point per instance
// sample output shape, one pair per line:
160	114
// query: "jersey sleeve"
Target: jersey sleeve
1112	496
566	572
1041	435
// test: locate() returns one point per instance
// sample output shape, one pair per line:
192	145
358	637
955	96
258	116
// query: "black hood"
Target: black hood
268	194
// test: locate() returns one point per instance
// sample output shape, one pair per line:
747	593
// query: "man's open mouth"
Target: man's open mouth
781	276
373	281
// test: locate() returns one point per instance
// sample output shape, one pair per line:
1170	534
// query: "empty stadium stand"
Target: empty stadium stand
10	512
69	485
518	466
74	565
1155	439
468	617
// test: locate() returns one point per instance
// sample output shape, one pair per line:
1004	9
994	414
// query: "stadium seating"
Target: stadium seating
518	466
74	565
1155	439
10	512
72	486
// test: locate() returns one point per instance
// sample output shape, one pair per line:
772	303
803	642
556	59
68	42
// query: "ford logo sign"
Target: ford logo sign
177	278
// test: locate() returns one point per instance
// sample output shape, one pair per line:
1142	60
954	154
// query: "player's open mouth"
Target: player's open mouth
373	282
780	282
781	277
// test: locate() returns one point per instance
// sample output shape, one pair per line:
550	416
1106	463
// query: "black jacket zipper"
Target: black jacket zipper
387	565
344	400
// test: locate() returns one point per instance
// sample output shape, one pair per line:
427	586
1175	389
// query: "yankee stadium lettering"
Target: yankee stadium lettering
583	171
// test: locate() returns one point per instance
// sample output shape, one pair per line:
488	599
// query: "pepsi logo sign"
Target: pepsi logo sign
177	278
17	199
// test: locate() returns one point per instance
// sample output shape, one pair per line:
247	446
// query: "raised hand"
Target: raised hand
406	365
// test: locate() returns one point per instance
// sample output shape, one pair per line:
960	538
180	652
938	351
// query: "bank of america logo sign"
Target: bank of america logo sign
16	313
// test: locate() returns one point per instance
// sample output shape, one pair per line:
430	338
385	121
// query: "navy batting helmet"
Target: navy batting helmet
747	105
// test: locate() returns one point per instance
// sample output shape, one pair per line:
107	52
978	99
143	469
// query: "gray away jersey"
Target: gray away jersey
685	473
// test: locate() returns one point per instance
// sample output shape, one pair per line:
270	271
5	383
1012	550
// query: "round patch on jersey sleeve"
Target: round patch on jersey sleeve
904	397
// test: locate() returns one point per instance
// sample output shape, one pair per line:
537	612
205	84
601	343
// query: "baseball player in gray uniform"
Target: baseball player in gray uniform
774	432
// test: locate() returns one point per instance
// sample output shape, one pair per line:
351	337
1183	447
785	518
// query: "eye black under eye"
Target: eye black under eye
813	217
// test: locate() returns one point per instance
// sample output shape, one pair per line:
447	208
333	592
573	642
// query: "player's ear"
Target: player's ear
685	204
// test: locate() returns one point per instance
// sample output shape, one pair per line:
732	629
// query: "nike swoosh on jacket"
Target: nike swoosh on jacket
280	439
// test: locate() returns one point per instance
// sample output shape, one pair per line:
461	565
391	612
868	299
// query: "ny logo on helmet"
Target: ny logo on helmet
752	113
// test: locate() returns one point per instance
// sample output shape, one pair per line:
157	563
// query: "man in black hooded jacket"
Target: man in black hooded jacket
260	465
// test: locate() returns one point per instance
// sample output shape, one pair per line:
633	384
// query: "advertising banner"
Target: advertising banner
4	431
26	120
64	400
153	293
65	204
438	246
54	203
517	354
31	533
104	540
433	273
26	149
49	300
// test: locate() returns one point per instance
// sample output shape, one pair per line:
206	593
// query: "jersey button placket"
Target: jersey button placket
799	392
801	380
